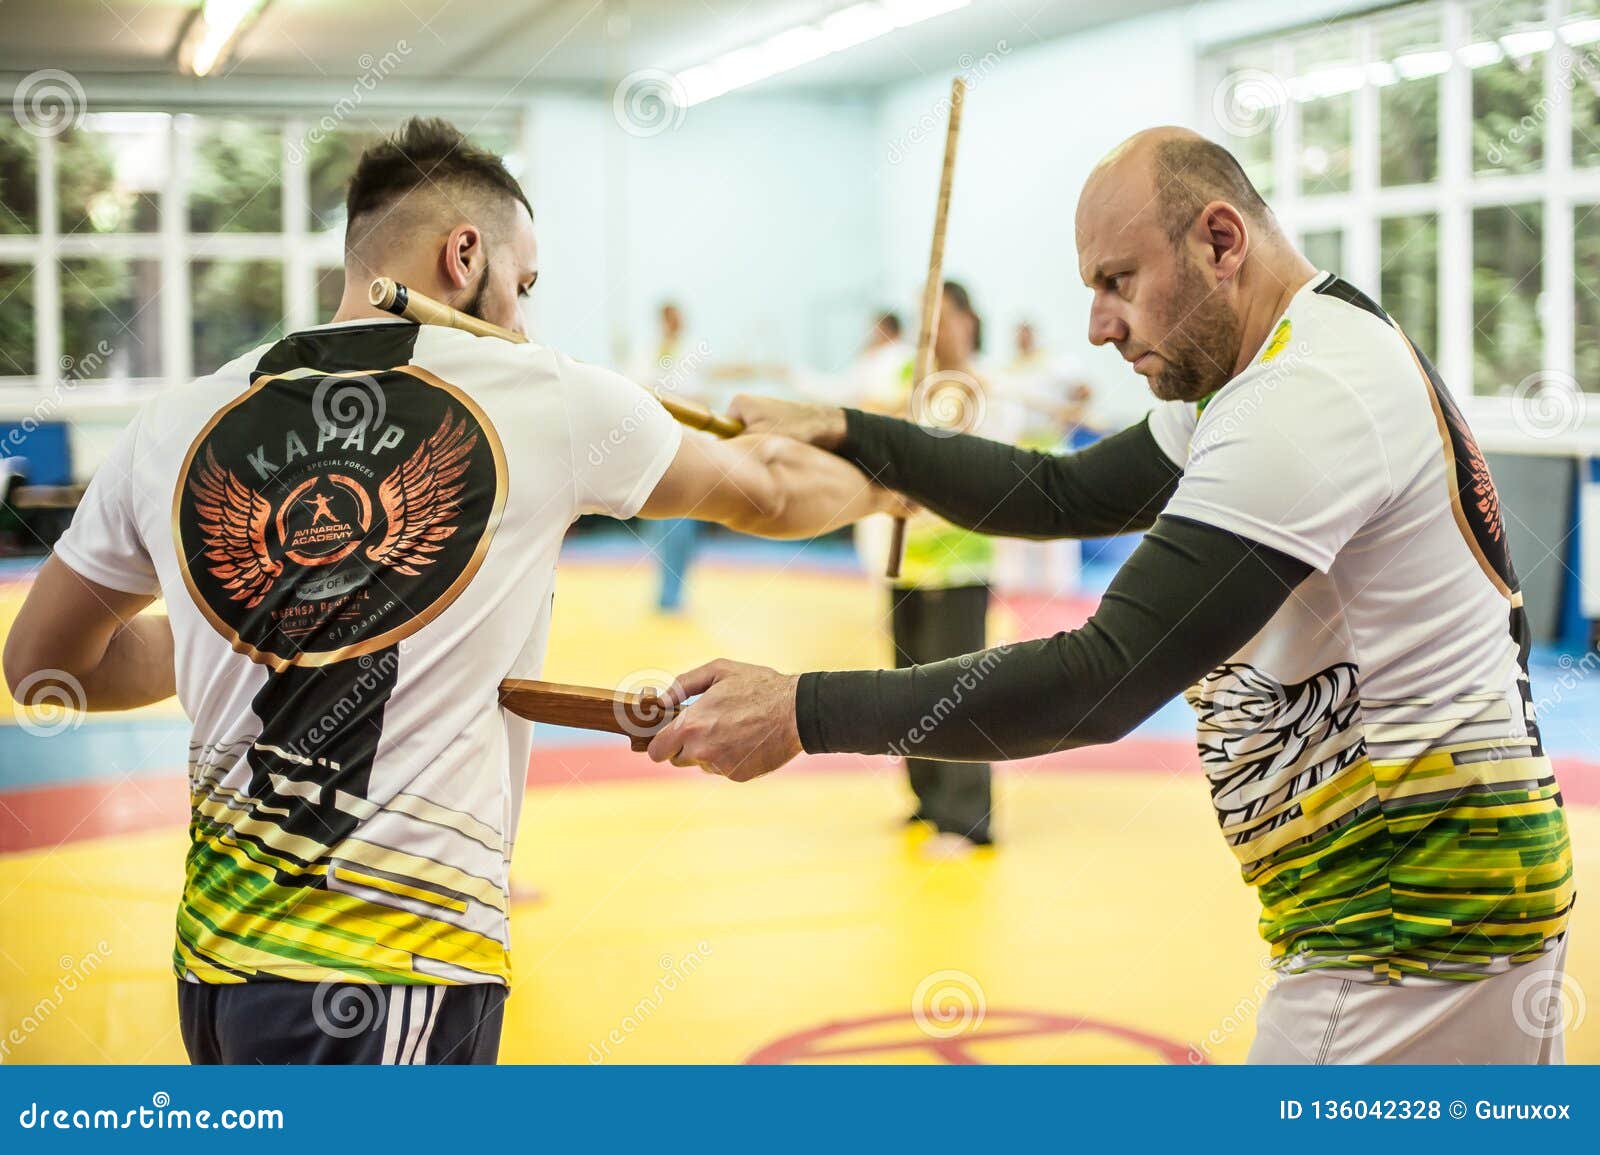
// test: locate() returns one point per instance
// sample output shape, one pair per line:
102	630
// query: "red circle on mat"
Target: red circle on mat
833	1040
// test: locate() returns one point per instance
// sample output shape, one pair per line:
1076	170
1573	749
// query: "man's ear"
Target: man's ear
461	261
1226	237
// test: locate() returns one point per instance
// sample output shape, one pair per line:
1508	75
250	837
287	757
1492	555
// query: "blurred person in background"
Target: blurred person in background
883	363
1047	401
939	604
676	367
1050	388
875	376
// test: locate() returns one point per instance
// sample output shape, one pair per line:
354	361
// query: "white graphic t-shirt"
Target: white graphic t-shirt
1377	770
356	530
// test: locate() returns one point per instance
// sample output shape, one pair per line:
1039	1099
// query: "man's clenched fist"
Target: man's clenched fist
819	425
742	726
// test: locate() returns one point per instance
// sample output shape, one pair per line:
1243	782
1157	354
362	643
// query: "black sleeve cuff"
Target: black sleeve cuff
807	718
853	711
855	423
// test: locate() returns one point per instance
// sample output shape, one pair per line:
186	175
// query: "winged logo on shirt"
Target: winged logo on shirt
1485	498
326	518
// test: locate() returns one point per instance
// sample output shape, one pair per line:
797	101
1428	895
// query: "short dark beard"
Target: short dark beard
1203	344
474	307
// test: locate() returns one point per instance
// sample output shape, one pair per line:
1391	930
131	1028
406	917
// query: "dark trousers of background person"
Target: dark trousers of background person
930	625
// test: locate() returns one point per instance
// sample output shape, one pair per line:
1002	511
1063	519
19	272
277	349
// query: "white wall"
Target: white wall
567	182
757	213
1036	120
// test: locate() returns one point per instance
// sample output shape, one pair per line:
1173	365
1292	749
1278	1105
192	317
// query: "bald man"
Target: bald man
1324	571
355	530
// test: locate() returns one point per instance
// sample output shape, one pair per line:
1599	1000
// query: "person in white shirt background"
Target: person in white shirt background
1049	401
676	367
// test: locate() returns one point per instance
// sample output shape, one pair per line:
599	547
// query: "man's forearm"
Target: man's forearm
1118	485
817	492
1187	599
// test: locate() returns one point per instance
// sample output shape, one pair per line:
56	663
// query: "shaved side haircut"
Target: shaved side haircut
1190	174
424	173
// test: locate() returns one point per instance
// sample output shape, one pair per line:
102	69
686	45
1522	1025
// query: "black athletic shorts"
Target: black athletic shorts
278	1021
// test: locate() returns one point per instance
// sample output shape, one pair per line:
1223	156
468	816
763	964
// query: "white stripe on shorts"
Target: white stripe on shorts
419	1057
391	1037
416	1014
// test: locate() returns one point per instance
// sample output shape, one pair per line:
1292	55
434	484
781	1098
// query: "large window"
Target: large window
1444	157
139	247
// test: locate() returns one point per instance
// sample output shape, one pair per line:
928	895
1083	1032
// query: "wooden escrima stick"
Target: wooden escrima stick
638	716
933	291
393	297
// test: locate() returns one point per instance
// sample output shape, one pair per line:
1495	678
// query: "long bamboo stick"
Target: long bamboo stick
933	290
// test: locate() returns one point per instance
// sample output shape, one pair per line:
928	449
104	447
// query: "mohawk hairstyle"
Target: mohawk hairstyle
426	152
1190	174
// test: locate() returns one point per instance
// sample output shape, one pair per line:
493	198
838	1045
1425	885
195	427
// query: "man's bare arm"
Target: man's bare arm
770	486
73	628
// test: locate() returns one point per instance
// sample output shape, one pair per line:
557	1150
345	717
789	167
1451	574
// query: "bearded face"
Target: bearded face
1194	331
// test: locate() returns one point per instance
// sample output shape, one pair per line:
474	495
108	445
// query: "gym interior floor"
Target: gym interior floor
661	915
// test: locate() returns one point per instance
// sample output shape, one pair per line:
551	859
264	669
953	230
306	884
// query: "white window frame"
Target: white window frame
1558	187
53	386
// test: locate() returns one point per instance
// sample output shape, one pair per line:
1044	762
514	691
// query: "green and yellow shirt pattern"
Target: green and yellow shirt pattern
1373	754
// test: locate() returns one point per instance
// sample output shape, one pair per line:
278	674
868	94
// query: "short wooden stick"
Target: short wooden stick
638	716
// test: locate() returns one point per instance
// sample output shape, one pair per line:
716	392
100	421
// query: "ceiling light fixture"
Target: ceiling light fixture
213	31
804	43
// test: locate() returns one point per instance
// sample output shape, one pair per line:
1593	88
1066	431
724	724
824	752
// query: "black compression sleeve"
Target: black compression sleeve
1190	596
1117	485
